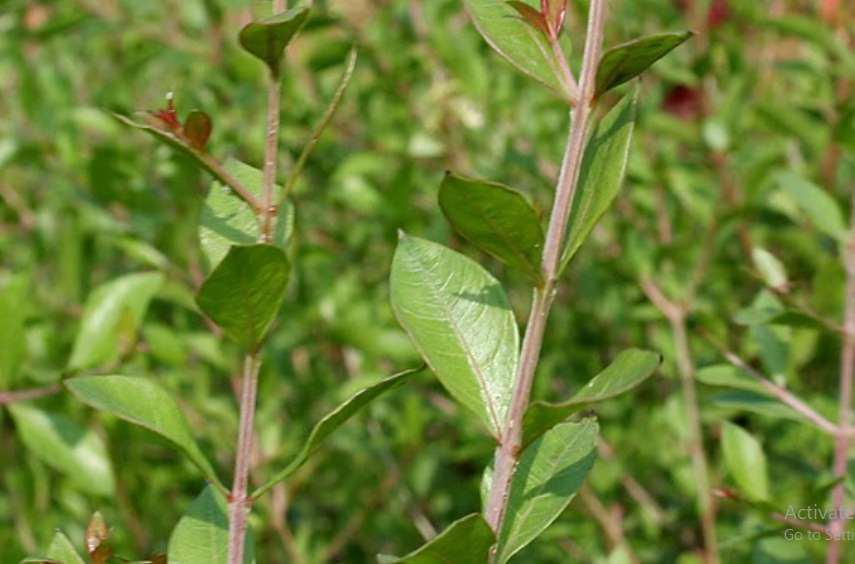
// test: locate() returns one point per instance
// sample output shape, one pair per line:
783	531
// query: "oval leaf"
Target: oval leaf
111	316
66	446
268	39
145	403
624	62
466	541
745	461
629	369
819	206
244	293
333	421
61	551
197	129
227	220
517	41
202	534
495	219
547	478
603	169
460	319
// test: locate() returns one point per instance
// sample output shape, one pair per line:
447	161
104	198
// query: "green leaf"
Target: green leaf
14	302
517	41
61	551
495	219
338	417
66	446
268	39
461	321
629	369
821	209
466	541
623	63
745	461
145	403
770	268
729	376
547	478
244	293
227	220
111	316
202	534
603	169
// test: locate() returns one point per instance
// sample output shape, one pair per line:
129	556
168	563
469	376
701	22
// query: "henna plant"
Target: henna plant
459	317
245	229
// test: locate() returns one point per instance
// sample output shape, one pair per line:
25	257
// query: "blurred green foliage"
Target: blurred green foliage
765	88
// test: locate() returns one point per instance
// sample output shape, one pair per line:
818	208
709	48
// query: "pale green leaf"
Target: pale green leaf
603	169
745	461
629	369
547	478
111	316
817	204
202	534
460	319
66	446
227	220
517	41
145	403
244	293
466	541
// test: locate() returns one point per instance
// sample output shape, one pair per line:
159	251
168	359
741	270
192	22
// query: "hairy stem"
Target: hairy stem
847	374
510	440
238	500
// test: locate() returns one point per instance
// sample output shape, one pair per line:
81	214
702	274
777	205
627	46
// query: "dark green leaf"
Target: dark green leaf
629	369
227	220
603	168
268	39
547	478
111	317
624	62
460	319
202	534
496	219
466	541
522	45
244	293
338	417
143	402
67	446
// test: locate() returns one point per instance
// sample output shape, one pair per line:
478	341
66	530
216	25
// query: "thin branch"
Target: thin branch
510	439
7	398
238	500
782	394
565	68
271	149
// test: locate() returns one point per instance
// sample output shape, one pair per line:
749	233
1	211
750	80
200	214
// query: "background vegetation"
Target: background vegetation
744	142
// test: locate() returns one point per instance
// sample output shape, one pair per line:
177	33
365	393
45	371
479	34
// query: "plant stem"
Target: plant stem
847	374
271	149
239	502
29	394
510	440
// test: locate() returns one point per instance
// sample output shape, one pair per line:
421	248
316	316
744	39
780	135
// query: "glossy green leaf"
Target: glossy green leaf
66	446
466	541
338	417
745	461
625	62
517	41
603	169
13	309
821	209
547	478
268	39
145	403
227	220
111	316
244	293
461	321
202	534
629	369
495	219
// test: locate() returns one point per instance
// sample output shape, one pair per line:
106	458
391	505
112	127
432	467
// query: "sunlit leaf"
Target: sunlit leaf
745	461
466	541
